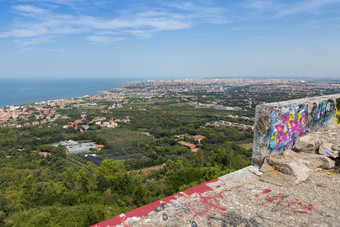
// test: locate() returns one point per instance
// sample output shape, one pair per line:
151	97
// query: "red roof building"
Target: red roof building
189	145
100	147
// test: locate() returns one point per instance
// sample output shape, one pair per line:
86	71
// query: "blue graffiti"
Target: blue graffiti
321	114
285	127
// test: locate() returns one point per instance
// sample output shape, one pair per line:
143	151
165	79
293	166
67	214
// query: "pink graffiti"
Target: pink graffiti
289	129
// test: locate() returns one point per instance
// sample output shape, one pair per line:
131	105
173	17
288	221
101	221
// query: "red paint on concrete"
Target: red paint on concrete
145	210
266	191
295	205
210	203
200	188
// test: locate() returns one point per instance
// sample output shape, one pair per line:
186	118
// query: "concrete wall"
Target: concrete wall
278	125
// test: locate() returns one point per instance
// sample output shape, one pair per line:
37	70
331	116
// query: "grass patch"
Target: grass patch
247	145
123	138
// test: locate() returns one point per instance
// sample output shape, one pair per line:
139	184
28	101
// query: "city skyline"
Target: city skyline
159	39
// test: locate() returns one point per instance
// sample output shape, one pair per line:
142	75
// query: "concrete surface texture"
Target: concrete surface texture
279	125
289	189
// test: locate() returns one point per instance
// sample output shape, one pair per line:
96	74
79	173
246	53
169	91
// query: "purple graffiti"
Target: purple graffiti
289	128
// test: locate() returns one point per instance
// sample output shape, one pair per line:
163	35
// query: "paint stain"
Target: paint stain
266	191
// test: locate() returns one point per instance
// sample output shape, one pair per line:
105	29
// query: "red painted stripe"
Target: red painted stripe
145	210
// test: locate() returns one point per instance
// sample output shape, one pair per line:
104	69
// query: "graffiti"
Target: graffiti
283	201
337	111
285	127
321	113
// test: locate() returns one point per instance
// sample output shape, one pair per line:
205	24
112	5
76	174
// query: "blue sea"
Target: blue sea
25	91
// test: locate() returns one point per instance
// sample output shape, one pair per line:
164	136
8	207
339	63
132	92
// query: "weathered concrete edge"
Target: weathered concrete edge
237	178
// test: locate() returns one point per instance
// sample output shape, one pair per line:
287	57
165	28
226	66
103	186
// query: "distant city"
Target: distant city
251	89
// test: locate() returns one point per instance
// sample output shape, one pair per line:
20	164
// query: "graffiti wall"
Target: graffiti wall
278	125
337	111
285	126
321	113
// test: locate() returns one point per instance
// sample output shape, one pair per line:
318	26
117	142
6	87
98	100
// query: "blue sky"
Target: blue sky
169	39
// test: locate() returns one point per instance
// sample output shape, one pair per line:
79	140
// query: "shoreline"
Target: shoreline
17	93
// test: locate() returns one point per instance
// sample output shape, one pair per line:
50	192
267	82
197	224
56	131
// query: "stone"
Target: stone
266	168
335	154
326	146
336	147
270	175
315	161
327	149
290	154
299	170
255	170
307	144
327	163
294	167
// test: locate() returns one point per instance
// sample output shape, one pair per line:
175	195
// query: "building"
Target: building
199	138
191	146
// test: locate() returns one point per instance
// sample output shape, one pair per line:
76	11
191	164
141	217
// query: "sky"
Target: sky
158	39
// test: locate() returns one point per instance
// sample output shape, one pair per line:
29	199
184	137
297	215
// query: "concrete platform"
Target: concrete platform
242	199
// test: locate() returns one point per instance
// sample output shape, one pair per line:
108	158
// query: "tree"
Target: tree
26	194
69	178
183	177
108	171
139	195
199	158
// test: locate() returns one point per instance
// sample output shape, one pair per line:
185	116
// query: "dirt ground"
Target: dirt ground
148	170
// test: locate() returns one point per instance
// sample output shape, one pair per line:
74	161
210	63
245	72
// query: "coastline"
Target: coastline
14	92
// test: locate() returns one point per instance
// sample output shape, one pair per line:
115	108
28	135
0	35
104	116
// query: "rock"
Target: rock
336	147
307	144
255	170
326	149
270	175
290	154
327	163
335	154
294	167
266	168
279	162
299	170
315	161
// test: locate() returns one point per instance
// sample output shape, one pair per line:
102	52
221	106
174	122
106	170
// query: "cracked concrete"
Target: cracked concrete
242	199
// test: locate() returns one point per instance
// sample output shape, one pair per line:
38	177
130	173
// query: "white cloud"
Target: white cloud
29	9
43	19
311	6
48	23
53	50
103	39
278	9
30	31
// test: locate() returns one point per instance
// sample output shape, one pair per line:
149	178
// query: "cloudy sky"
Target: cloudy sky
169	39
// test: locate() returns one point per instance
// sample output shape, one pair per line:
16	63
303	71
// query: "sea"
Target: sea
26	91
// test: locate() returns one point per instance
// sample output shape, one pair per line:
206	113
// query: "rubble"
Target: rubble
306	144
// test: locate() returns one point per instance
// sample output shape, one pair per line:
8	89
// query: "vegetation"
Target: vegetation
65	190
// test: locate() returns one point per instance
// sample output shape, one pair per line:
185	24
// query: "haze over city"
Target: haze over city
159	39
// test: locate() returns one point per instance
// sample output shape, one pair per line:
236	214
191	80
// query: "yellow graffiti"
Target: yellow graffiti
287	125
337	115
274	137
